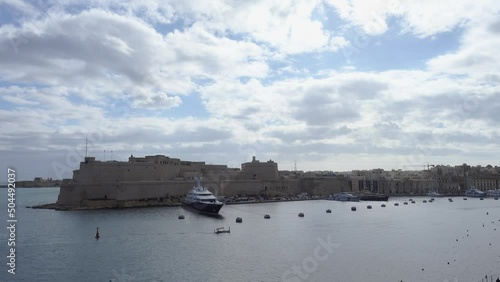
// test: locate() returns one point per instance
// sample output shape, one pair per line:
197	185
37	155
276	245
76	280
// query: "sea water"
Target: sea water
439	241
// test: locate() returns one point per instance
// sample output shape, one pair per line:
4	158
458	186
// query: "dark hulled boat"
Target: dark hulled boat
202	200
374	197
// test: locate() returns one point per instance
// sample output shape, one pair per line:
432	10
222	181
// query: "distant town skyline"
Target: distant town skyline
329	84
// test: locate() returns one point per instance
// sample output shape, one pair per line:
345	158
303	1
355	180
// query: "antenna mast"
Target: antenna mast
86	147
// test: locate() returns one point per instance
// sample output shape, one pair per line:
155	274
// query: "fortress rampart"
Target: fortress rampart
163	180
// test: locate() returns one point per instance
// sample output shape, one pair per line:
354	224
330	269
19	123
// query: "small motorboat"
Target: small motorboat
267	216
301	214
181	216
239	220
222	230
328	211
434	194
345	197
475	193
493	193
368	196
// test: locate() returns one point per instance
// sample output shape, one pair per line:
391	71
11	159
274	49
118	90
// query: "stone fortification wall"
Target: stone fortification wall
98	172
76	194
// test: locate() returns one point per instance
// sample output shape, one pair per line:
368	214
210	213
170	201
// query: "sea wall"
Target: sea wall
76	194
79	194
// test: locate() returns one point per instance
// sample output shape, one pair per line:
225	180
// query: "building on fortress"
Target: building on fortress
156	180
259	170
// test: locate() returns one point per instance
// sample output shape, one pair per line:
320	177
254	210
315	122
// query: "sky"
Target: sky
313	84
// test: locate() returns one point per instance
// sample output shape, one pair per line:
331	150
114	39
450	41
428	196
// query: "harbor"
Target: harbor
435	241
250	141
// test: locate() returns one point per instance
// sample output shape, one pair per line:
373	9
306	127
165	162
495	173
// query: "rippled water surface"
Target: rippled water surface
414	242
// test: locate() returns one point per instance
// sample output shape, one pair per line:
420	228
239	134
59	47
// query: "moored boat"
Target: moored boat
374	197
434	194
475	193
202	200
493	193
345	197
222	230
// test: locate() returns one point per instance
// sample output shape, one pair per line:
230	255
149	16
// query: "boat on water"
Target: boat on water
475	193
373	197
434	194
202	200
493	193
222	230
345	197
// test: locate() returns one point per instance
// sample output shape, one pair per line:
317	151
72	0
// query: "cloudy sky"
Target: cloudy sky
328	84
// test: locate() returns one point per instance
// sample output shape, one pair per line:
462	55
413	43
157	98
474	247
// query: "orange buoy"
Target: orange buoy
97	233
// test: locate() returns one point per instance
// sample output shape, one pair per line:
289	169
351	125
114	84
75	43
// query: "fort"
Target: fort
161	180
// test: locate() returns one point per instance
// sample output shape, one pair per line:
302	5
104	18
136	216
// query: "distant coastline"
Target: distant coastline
37	182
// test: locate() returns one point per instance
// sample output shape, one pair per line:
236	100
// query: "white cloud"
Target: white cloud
370	15
201	53
122	57
478	54
66	73
20	5
422	18
288	26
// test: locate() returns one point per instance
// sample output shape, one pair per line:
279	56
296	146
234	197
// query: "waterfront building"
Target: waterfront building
485	182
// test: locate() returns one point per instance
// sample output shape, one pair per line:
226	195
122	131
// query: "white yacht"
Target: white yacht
345	197
474	192
493	193
202	200
434	194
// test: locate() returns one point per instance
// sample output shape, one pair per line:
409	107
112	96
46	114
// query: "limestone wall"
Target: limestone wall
75	194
